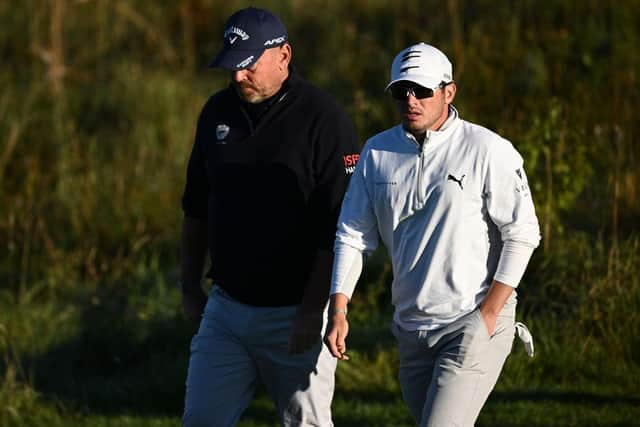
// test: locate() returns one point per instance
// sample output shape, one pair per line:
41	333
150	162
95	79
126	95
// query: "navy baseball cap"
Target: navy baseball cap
247	34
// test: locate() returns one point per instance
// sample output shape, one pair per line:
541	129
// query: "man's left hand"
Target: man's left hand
306	331
493	303
489	320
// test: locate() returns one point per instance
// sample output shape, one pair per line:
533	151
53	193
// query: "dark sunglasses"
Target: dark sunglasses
400	93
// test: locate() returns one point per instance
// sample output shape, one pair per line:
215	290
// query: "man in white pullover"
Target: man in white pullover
451	202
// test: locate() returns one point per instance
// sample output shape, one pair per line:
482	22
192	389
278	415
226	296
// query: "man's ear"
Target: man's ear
450	92
284	56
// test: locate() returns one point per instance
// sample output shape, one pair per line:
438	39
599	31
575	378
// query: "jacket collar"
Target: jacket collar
434	138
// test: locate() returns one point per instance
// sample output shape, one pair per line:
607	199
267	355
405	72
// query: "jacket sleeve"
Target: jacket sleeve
357	233
357	224
335	155
196	192
510	207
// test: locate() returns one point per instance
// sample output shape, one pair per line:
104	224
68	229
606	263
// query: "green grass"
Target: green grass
77	365
97	115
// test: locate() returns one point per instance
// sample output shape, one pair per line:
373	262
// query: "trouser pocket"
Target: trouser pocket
470	341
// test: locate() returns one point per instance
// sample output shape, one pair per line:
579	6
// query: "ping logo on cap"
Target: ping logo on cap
410	54
405	69
407	56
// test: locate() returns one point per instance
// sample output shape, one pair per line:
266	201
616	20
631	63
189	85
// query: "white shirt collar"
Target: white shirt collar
451	119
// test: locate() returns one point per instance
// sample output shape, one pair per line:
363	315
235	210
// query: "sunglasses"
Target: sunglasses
400	93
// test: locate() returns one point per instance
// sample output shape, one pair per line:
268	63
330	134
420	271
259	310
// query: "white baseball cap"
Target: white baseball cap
422	64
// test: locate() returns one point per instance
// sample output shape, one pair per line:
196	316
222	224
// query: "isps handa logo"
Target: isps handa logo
350	161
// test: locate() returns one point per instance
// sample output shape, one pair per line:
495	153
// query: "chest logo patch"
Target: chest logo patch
454	179
222	131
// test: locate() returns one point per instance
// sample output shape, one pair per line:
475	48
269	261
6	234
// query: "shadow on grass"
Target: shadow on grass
543	408
562	397
120	361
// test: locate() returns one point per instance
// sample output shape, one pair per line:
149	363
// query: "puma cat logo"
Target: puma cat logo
459	181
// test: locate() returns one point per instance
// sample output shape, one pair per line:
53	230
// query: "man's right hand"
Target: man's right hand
193	303
194	250
337	332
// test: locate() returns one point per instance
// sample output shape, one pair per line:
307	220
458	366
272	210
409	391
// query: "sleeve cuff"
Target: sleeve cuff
347	266
513	262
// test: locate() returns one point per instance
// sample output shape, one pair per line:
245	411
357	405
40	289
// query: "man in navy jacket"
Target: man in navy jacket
268	170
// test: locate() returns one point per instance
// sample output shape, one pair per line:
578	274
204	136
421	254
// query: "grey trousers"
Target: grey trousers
447	375
238	346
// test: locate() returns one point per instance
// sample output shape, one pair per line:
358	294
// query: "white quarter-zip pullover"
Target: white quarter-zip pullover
449	211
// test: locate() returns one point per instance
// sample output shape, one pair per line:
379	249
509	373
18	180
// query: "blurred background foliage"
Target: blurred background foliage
98	108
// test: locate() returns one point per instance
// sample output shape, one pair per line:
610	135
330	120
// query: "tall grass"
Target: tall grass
102	97
97	116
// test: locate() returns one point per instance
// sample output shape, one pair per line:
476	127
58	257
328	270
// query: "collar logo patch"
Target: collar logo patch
222	131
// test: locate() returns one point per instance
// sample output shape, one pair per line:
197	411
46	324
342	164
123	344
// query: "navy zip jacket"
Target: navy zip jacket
270	191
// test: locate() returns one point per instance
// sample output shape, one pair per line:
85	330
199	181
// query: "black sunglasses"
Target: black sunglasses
401	92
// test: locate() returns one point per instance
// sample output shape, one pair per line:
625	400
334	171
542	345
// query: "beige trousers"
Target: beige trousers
447	375
239	346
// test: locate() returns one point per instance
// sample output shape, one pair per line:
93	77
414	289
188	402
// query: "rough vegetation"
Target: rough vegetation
97	114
